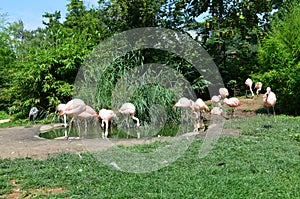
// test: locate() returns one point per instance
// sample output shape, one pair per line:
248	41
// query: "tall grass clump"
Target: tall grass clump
107	82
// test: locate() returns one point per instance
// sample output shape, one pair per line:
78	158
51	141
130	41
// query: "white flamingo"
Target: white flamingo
249	83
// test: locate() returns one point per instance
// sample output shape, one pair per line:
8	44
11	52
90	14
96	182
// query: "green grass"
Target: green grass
24	122
261	163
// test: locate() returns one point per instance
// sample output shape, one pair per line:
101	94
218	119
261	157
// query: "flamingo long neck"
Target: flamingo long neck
136	119
268	93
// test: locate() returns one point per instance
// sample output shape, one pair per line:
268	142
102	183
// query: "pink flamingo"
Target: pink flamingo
106	116
249	83
223	93
129	109
216	100
61	108
216	111
198	106
269	100
89	113
258	87
73	108
232	102
183	103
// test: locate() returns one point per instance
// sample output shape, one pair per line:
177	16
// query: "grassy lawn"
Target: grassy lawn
263	162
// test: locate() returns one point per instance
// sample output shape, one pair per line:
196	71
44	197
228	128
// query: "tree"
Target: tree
229	30
279	57
48	59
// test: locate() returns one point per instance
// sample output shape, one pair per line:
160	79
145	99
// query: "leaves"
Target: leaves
279	58
39	67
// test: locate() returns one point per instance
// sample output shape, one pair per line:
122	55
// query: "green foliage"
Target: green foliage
229	30
125	15
279	59
38	68
48	60
3	115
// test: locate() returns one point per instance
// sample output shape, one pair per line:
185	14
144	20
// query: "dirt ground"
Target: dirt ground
19	142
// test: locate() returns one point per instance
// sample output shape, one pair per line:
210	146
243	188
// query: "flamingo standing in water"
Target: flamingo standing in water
73	108
89	113
199	106
269	100
232	102
106	116
61	108
258	87
249	83
129	109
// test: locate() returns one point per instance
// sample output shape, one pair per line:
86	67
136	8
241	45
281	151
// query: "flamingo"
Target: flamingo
73	108
183	103
60	108
258	87
216	100
89	113
106	116
33	113
129	109
198	106
216	111
269	100
223	93
232	102
249	83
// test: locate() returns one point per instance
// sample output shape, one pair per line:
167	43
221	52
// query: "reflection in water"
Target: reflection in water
96	132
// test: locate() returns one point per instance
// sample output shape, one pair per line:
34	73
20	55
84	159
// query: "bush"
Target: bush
279	57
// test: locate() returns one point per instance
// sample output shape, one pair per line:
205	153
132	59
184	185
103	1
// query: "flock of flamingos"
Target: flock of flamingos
76	108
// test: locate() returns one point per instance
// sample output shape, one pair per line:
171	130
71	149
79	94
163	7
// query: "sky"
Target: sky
31	11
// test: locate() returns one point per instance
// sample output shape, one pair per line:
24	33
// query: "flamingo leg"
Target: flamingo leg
202	125
78	126
196	122
274	113
102	125
85	127
70	126
127	121
106	128
252	94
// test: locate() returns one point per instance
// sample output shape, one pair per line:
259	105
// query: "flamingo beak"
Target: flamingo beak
61	113
174	107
